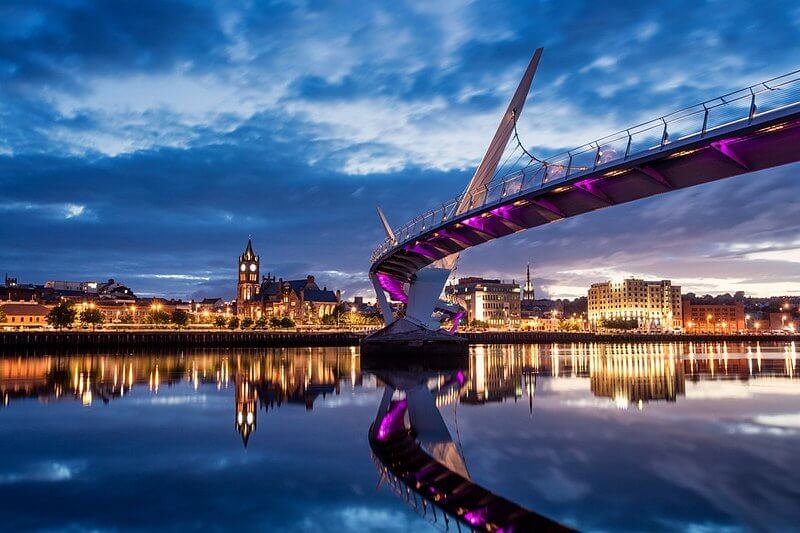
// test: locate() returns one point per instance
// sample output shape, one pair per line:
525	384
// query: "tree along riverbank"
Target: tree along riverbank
175	339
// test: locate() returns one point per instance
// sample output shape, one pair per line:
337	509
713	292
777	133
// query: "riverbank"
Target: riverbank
116	340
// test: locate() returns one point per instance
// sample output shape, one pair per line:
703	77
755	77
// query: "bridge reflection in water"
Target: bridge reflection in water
420	461
417	458
413	447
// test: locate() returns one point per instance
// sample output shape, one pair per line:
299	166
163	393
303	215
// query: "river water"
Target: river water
637	437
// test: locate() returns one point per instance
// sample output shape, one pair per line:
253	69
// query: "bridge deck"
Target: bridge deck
750	138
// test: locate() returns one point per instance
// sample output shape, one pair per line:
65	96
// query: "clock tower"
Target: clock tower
247	287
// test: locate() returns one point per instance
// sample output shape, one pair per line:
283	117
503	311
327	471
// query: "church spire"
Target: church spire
528	293
248	251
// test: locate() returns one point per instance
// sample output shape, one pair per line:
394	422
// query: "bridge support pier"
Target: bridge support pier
417	334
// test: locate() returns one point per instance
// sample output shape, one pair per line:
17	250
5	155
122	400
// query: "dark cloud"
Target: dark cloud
62	42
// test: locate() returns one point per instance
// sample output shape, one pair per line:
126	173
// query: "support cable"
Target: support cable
533	158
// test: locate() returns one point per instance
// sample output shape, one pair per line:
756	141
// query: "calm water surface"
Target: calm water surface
598	437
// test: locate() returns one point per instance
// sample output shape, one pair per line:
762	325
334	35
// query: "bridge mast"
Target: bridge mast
485	171
475	192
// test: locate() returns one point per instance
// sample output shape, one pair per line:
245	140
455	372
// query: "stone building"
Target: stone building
301	300
487	300
713	318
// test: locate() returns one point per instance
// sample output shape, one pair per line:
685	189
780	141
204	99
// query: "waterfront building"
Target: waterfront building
309	303
208	309
536	322
113	290
655	305
114	312
491	301
783	322
76	286
301	300
212	305
713	318
12	291
23	314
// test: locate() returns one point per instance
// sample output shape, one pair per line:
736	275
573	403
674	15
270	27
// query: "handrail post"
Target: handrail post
705	121
665	135
596	157
569	165
628	148
752	106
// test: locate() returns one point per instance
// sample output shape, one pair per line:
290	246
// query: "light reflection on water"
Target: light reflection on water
629	436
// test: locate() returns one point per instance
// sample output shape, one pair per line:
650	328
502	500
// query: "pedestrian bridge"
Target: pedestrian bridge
741	132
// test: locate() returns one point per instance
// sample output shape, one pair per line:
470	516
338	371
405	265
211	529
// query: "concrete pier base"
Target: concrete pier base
404	340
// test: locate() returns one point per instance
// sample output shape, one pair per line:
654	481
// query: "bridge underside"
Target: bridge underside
675	166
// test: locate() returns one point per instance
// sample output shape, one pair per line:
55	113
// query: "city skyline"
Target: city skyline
281	137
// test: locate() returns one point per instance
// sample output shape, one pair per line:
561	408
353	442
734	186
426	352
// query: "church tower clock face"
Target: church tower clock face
252	267
242	267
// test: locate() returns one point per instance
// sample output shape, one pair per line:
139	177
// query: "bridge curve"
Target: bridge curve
745	131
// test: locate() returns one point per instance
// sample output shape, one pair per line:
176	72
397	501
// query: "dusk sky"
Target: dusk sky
146	140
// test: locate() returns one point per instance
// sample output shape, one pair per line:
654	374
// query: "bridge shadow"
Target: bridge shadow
417	458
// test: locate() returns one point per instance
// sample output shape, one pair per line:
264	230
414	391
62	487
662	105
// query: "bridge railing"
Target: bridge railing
697	121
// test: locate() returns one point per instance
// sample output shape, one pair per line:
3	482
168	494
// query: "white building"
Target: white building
487	300
655	305
78	286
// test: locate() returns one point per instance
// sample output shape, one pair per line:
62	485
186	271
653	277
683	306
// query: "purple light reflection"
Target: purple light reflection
457	321
476	517
392	420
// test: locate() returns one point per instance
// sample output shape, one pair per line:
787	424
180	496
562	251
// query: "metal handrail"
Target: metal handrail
744	105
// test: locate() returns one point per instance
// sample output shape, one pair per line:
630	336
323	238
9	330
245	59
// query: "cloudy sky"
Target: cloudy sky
146	140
